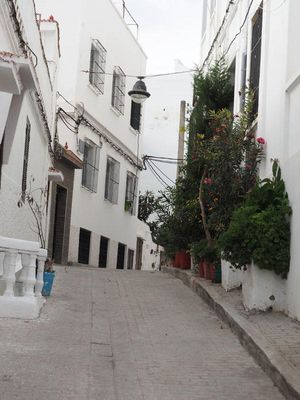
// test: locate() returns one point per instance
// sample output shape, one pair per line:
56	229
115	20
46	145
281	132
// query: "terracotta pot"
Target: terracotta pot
212	269
201	269
185	260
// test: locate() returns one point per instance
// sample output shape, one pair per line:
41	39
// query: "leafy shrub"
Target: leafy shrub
260	230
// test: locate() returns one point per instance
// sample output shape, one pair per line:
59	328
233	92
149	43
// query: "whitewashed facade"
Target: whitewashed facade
278	112
27	104
100	56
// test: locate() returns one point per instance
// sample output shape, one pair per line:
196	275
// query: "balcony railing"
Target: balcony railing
21	278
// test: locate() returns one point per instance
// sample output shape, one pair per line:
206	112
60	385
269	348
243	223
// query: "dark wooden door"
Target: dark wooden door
84	246
59	224
103	252
121	256
139	254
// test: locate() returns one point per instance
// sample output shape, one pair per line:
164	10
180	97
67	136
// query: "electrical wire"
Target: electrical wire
240	30
166	176
66	125
156	175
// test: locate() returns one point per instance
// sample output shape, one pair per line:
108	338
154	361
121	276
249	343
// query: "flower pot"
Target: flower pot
201	269
212	271
48	282
185	260
206	269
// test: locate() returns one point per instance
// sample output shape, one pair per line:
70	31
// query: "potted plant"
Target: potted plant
197	252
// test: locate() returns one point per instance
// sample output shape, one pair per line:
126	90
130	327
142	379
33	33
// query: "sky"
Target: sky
169	32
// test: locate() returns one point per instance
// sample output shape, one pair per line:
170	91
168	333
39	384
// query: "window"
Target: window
256	56
90	170
118	90
112	180
131	190
135	118
97	66
130	257
26	158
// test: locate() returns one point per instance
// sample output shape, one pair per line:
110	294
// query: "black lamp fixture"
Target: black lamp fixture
139	92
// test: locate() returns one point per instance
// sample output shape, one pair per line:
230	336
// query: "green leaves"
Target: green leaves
260	230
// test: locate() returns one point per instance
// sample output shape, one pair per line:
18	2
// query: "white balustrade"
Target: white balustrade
20	290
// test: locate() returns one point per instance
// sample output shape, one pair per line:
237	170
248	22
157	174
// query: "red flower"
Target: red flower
261	140
207	181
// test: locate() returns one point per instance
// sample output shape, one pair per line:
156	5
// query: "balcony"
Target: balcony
21	278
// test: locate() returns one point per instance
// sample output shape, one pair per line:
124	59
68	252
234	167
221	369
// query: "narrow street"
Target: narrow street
125	335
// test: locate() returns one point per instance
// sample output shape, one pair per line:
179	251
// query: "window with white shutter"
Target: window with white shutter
112	180
90	170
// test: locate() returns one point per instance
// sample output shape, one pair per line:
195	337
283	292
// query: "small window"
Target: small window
26	158
112	180
97	66
131	190
118	90
135	118
91	154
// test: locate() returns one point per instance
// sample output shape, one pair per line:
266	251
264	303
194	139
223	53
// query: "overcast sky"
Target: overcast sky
169	29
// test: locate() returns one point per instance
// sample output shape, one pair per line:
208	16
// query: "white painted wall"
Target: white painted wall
18	222
79	25
278	120
151	251
161	124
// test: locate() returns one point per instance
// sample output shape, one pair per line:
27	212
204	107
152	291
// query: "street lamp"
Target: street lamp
139	92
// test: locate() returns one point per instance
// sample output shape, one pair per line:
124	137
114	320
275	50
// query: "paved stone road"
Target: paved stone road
125	335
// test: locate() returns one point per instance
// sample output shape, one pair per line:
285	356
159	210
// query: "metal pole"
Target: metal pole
181	132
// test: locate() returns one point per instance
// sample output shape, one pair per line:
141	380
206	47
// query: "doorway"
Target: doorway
84	246
121	256
103	252
139	254
59	224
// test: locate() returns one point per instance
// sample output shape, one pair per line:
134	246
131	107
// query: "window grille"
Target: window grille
118	90
90	171
135	118
256	56
26	158
112	180
97	66
131	193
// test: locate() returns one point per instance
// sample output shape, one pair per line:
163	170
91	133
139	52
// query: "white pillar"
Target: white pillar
9	271
29	263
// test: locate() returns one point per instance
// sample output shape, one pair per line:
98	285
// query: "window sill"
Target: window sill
134	131
117	112
88	190
94	89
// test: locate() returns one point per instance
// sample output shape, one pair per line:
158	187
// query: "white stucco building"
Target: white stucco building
259	40
93	214
27	120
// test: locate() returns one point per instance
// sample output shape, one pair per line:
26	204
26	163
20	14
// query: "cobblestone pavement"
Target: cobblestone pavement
280	330
125	335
